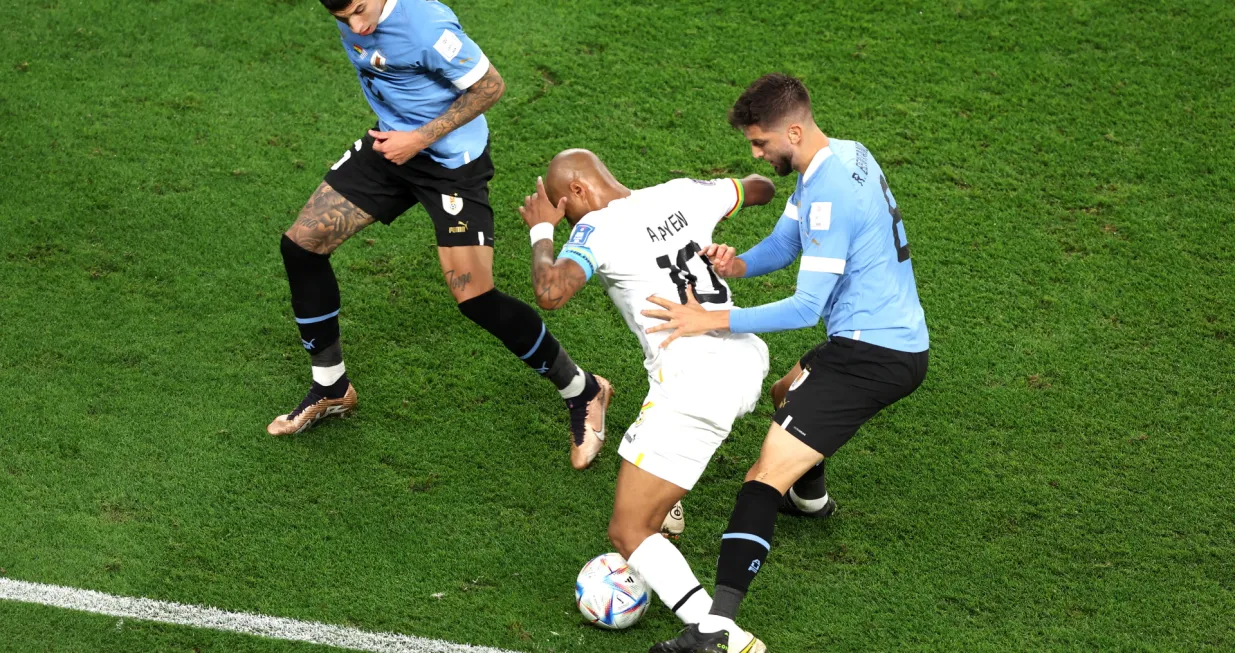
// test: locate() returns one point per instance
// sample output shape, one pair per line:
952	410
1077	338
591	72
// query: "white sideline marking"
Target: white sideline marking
197	616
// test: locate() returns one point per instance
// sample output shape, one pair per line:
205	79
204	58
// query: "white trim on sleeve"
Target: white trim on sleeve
791	211
465	82
823	264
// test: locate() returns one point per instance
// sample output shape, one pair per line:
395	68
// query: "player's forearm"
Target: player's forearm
478	98
775	252
553	283
800	311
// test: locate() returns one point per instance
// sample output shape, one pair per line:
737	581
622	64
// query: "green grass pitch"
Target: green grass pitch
1064	481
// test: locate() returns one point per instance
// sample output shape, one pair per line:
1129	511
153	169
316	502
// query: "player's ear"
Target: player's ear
794	133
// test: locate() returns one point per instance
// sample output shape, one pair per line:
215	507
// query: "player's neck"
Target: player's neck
812	142
613	193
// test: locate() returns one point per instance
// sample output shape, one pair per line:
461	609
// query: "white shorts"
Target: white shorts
693	399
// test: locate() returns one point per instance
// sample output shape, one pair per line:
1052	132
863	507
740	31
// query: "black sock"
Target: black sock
315	295
335	390
520	328
813	484
745	544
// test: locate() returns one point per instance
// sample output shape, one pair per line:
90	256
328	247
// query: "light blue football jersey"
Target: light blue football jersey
855	271
413	67
850	224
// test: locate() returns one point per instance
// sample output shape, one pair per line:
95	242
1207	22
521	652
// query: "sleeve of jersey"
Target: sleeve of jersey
775	252
823	263
455	56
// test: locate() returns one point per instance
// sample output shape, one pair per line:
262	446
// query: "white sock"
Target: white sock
808	505
667	572
576	386
713	623
328	375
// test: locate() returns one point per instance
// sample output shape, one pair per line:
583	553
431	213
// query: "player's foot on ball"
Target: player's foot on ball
693	640
790	507
314	407
675	522
587	421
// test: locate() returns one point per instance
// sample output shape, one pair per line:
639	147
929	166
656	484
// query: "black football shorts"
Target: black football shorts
457	199
843	384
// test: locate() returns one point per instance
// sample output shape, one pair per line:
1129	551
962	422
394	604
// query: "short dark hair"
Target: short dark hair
769	100
336	5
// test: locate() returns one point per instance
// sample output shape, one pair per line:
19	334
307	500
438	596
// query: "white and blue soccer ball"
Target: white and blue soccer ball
610	594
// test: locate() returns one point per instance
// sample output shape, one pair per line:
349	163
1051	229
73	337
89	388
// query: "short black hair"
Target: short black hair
769	100
336	5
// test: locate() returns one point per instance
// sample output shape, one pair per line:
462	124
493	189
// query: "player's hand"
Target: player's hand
398	147
689	319
539	209
725	261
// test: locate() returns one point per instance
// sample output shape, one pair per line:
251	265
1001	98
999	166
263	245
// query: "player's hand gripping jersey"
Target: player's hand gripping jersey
649	244
413	67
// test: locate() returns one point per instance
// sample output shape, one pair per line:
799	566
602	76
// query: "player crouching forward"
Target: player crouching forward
643	243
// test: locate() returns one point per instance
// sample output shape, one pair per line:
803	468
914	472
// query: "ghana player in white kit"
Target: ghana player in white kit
642	243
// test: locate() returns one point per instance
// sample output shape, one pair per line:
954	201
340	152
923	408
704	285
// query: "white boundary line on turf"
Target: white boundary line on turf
237	622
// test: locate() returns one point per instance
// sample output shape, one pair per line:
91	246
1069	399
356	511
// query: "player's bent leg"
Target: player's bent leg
469	274
639	507
747	542
327	220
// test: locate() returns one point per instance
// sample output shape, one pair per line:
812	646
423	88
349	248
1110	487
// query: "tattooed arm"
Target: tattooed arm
399	147
477	99
555	281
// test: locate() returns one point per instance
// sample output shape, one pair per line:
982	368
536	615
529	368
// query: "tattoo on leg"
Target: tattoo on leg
327	220
458	282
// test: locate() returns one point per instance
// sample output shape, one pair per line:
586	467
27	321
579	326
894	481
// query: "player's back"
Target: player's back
650	244
877	295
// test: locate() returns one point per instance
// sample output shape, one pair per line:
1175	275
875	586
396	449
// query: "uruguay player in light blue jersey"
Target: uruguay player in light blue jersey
429	85
855	274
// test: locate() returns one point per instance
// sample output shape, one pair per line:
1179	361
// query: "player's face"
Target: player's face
771	145
361	16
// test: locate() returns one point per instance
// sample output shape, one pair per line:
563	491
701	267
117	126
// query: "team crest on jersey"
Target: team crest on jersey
820	216
378	61
452	204
580	235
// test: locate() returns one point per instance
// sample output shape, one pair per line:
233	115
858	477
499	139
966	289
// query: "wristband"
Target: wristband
542	231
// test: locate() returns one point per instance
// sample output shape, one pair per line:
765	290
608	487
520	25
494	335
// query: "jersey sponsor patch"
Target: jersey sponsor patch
448	45
820	216
451	204
580	235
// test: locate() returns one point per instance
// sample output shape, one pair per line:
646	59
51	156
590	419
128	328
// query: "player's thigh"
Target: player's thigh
327	220
456	199
781	387
783	459
673	444
642	499
468	271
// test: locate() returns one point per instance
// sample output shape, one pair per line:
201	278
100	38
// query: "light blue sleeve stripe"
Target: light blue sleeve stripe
585	262
536	346
747	536
315	320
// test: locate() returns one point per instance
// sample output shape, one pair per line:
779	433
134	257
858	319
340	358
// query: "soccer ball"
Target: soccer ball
609	593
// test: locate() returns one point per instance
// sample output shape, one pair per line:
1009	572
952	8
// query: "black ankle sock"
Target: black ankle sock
335	390
813	484
746	542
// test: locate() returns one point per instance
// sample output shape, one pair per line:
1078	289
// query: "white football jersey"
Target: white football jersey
649	244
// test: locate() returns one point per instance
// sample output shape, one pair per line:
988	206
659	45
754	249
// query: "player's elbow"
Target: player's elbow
758	190
548	304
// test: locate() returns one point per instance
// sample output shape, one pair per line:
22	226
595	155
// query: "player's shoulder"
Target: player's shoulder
423	20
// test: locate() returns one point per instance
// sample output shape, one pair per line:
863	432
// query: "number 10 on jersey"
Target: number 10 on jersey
679	272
